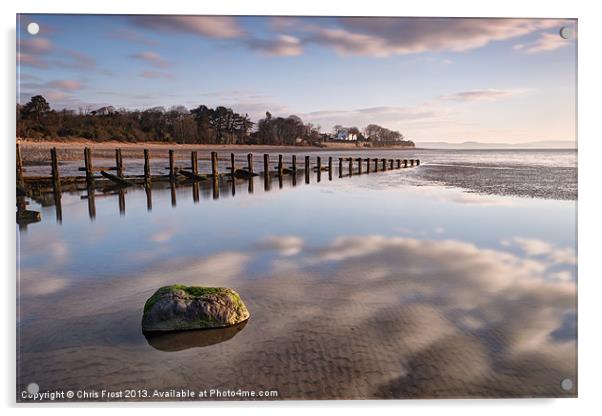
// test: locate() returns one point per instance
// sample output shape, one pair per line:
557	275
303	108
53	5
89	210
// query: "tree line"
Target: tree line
203	125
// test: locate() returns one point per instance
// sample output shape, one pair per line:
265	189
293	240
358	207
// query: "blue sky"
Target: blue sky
490	80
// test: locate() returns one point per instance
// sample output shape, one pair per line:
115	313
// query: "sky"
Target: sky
432	79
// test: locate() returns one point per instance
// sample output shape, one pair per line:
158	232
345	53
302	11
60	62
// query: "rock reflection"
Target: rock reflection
183	340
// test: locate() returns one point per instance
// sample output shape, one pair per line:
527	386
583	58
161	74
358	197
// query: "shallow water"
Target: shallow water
358	287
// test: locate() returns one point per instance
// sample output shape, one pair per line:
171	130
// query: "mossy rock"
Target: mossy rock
179	307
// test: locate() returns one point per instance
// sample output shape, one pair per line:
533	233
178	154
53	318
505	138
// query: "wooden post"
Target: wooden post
294	167
147	173
118	163
329	168
172	168
350	166
56	180
411	162
121	198
391	164
368	165
194	163
266	172
417	162
214	167
266	165
340	167
173	194
250	163
232	168
306	169
398	163
88	165
359	165
20	180
375	165
149	198
405	163
384	162
319	163
280	167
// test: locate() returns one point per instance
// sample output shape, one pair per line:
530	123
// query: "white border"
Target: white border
590	119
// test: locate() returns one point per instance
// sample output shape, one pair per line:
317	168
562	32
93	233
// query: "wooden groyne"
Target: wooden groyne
112	179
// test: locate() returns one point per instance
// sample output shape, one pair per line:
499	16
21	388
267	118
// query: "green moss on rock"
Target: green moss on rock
180	307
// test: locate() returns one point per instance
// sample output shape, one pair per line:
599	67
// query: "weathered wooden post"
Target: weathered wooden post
149	198
350	166
375	165
214	166
147	172
118	163
20	180
411	162
368	165
319	168
417	162
359	165
398	163
250	163
56	180
194	163
294	163
232	168
384	162
280	166
405	163
121	198
195	192
306	169
340	167
329	168
266	172
216	187
391	164
172	168
88	165
173	194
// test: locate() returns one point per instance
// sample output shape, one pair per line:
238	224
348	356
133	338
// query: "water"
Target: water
358	287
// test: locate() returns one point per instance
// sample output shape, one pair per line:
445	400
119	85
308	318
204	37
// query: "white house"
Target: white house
344	134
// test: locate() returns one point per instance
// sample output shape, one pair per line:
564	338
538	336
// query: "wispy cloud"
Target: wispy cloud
399	36
283	45
210	26
133	36
156	75
152	58
545	43
481	95
65	84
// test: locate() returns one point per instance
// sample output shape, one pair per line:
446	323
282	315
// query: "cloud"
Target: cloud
545	43
283	45
65	84
383	37
209	26
36	45
156	75
152	58
132	36
480	95
537	248
285	245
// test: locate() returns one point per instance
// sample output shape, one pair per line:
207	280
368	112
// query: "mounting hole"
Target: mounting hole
566	384
33	388
33	28
566	32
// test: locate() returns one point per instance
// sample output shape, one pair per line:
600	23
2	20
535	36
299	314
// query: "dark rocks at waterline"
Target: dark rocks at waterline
25	216
179	307
182	340
243	174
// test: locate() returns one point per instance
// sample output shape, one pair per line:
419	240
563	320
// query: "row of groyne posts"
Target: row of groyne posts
55	183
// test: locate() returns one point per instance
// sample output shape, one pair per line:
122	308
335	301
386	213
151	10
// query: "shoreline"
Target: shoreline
26	144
